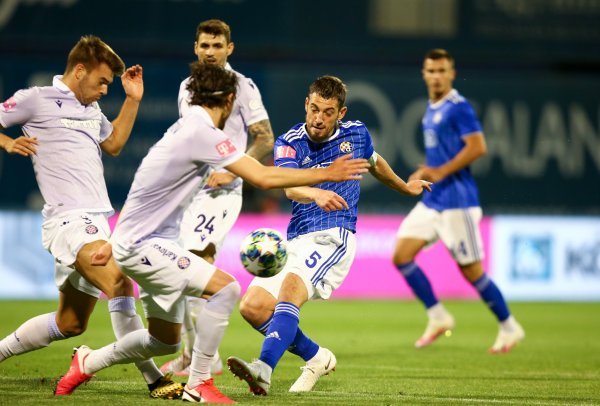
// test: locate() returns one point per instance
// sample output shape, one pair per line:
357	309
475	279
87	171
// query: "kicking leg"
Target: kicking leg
70	320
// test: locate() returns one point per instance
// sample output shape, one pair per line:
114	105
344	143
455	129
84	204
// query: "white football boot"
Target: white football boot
321	364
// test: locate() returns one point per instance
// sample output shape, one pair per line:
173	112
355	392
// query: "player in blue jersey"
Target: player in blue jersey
451	212
321	237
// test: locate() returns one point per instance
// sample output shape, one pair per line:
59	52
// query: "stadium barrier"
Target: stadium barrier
530	258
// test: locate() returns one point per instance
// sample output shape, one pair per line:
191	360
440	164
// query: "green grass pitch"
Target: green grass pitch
557	364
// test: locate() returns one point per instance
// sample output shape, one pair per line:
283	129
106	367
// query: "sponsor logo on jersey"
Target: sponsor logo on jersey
225	148
285	152
346	147
306	160
9	104
437	117
81	124
146	261
165	252
91	229
183	262
431	139
58	103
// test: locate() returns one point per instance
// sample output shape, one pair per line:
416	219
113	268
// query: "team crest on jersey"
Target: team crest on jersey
91	229
346	147
183	262
9	104
437	117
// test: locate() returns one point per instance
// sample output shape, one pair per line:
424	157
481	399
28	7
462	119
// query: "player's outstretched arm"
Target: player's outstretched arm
271	177
22	145
133	85
326	199
386	175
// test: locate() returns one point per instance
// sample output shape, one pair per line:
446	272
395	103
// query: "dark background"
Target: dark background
531	69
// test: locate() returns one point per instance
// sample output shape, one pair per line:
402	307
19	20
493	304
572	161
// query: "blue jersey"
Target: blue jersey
445	124
294	149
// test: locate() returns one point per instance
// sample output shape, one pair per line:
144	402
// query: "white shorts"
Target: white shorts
64	235
321	258
457	228
209	217
62	273
166	273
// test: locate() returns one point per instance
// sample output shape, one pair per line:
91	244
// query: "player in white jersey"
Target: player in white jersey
65	134
146	239
217	205
451	212
321	237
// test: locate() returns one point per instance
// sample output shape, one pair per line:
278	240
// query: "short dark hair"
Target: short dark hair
214	27
439	53
210	85
329	87
91	51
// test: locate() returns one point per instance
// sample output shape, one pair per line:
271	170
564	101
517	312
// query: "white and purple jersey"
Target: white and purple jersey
295	149
247	109
445	124
175	167
68	164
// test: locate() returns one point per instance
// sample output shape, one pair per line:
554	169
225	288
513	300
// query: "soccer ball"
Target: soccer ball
263	252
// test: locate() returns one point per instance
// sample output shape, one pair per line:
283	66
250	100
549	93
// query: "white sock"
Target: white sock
508	325
188	330
194	306
35	333
136	346
125	320
317	357
210	328
437	312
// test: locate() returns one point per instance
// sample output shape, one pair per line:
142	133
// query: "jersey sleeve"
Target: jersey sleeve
219	151
466	120
20	108
183	98
285	154
250	101
369	148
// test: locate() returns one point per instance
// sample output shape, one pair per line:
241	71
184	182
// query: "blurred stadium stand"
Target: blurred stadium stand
530	67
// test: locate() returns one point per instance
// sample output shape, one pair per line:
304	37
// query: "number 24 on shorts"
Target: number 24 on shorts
207	225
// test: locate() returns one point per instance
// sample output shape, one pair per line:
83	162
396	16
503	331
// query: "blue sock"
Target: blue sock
492	297
281	333
418	282
302	346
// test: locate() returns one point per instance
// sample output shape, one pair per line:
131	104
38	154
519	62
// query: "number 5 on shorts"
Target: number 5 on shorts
313	259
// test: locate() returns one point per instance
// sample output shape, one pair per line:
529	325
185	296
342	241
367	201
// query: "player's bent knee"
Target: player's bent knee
157	347
71	329
123	286
472	272
254	310
224	300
